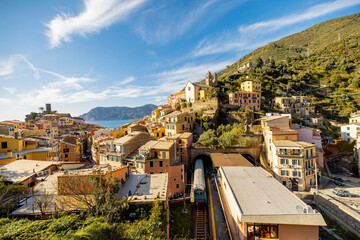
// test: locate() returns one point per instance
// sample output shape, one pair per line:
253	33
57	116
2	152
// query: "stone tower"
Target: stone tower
208	79
215	80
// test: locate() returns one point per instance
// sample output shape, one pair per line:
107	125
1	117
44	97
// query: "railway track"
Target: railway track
201	222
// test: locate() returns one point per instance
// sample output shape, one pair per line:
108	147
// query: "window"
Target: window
284	161
164	155
284	173
177	186
296	174
156	154
151	164
66	156
258	230
160	163
295	162
3	144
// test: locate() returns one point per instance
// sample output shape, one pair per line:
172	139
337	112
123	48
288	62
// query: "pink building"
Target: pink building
245	99
311	135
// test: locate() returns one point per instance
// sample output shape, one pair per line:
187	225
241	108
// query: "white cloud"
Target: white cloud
164	23
97	15
5	101
127	80
9	89
7	66
247	37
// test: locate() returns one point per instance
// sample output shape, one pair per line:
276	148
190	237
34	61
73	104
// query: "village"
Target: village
225	165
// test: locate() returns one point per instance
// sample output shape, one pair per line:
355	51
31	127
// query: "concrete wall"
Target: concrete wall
350	218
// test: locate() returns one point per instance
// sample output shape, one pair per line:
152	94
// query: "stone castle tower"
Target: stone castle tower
211	80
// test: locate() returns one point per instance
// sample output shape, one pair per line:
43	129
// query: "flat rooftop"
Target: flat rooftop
262	199
127	138
20	170
290	143
152	187
229	159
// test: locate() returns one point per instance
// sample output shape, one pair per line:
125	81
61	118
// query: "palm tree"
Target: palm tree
41	109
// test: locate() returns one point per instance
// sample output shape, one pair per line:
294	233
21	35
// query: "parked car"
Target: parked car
339	181
343	193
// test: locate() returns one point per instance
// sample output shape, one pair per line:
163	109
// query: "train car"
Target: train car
199	186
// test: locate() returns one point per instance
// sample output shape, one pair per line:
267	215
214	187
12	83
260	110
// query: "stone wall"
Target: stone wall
348	218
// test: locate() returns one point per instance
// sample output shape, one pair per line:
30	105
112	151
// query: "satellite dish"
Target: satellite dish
299	208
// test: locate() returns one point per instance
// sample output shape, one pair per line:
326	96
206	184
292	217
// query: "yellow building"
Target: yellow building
120	132
251	86
179	122
158	132
202	94
154	115
354	117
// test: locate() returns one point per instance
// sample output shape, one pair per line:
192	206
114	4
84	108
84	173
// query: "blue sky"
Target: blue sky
80	54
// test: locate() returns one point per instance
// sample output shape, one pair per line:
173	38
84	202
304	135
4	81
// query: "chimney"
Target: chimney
9	154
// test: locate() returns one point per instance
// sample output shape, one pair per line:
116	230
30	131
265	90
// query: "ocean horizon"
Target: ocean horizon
111	123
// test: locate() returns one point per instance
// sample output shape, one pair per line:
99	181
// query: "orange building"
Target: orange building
175	98
70	150
163	157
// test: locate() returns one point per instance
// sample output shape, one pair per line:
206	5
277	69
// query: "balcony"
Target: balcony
289	154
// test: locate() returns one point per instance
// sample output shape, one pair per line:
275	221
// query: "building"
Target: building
162	157
349	132
179	122
145	188
294	164
26	171
297	106
354	117
246	99
259	207
70	150
176	98
248	96
195	92
246	66
251	86
47	108
130	143
311	135
276	127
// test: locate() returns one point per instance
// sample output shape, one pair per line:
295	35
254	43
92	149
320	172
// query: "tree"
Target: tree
98	193
43	202
227	140
209	139
189	104
9	191
41	109
177	106
259	62
183	105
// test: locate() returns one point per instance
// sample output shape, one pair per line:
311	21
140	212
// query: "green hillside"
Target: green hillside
310	40
329	72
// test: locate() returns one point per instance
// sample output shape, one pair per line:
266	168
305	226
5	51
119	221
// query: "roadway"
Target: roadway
216	216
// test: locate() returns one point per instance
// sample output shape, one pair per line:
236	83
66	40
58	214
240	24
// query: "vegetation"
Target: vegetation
80	226
321	62
8	195
226	137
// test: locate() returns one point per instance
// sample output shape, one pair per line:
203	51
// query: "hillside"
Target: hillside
310	40
329	72
118	113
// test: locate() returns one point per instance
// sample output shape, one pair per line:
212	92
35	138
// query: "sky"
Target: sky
81	54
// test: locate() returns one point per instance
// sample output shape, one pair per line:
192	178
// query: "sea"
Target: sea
111	123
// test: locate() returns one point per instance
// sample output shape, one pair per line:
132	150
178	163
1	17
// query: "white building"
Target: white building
349	132
195	92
